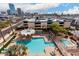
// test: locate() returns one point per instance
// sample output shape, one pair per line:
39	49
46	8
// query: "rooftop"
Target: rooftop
34	20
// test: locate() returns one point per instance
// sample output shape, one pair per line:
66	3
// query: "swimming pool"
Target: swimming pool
36	45
65	42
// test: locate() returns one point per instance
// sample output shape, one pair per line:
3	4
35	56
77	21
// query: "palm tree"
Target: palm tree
17	50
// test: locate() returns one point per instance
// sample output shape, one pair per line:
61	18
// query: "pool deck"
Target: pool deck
48	50
37	54
45	39
62	49
74	52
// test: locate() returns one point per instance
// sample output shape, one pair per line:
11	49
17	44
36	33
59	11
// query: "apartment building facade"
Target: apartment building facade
37	24
44	23
77	25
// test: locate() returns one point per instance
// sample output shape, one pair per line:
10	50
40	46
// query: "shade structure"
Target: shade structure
27	32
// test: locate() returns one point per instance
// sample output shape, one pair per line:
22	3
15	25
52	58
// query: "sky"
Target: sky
66	8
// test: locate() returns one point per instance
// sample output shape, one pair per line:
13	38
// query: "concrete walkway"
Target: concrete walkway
5	37
49	50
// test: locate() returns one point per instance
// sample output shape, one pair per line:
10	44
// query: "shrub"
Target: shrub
16	50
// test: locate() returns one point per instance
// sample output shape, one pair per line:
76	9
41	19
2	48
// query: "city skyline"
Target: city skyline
66	8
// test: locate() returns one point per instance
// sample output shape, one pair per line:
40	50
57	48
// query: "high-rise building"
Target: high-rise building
19	11
3	12
8	12
22	12
12	8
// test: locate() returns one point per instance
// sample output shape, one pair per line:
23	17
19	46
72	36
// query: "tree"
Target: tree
22	36
17	50
57	28
9	23
4	24
29	36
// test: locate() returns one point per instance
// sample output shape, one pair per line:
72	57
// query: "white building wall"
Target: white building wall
44	25
31	25
67	24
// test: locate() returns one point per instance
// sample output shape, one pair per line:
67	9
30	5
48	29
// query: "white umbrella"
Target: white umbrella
27	32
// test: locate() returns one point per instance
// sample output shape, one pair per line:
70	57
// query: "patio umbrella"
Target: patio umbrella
27	32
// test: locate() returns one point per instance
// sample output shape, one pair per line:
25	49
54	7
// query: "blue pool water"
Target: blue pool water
65	42
36	45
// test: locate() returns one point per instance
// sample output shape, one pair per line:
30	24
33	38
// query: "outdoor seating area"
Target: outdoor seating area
26	34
